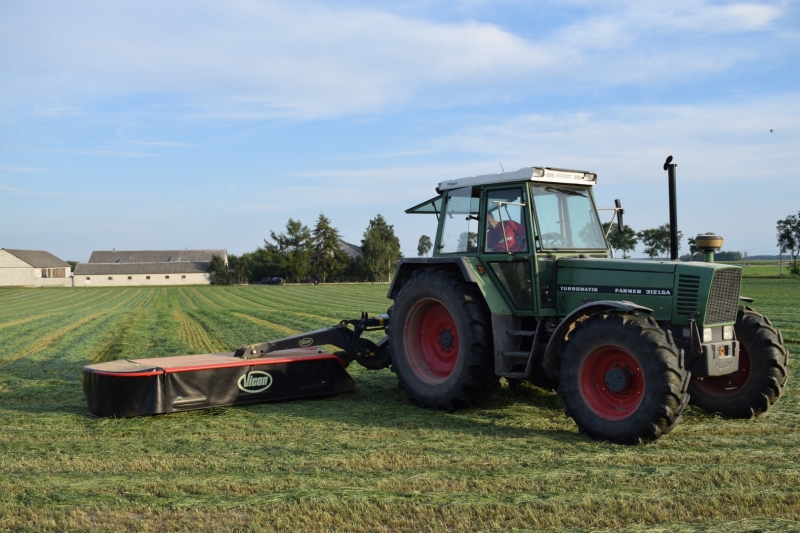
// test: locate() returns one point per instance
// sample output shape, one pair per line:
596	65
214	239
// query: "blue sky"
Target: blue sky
157	125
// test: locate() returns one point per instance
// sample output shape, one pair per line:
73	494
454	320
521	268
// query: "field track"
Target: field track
362	461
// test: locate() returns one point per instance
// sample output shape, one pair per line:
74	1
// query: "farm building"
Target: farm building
149	267
33	268
350	249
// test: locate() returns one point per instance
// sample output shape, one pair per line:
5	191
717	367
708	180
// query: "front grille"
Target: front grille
723	301
688	291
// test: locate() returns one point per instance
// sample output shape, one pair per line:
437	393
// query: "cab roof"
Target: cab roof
543	174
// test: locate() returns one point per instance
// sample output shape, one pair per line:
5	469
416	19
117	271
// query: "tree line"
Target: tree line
656	243
302	254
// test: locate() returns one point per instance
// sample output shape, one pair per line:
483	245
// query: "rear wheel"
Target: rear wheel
761	378
440	339
622	379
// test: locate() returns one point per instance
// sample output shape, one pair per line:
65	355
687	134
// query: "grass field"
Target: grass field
763	269
362	461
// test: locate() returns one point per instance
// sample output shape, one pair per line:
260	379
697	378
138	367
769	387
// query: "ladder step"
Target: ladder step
517	354
521	333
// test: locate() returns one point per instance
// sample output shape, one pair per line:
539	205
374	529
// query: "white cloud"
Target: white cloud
57	111
27	170
116	153
167	144
8	188
247	60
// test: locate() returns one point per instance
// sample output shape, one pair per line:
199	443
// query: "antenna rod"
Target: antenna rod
669	166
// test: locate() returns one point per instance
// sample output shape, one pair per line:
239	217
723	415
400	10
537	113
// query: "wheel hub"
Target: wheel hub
618	379
446	338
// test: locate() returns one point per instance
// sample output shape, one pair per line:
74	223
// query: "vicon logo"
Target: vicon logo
255	381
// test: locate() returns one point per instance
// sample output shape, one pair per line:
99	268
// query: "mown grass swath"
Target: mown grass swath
365	461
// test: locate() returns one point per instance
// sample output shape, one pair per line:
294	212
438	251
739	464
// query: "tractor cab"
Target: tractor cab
515	225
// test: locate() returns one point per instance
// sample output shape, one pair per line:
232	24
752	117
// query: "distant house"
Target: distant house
350	249
149	267
33	268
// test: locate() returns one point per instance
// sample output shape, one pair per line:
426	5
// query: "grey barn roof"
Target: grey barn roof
111	269
350	249
38	258
155	256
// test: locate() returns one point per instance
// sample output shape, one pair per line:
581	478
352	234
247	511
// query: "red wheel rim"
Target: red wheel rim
611	364
431	340
729	384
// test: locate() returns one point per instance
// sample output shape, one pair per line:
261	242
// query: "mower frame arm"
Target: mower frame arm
339	335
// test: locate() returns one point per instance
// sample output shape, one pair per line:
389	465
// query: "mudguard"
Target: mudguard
558	337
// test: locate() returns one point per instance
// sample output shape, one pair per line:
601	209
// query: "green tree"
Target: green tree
789	238
328	257
266	262
656	240
239	269
424	246
381	250
728	256
694	250
624	241
293	248
219	271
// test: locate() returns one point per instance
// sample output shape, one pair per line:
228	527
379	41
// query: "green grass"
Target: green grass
763	269
362	461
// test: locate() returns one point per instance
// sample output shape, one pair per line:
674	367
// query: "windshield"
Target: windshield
567	218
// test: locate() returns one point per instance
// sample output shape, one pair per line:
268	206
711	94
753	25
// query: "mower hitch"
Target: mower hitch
364	351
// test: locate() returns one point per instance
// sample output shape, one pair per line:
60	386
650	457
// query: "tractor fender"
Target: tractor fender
558	338
408	265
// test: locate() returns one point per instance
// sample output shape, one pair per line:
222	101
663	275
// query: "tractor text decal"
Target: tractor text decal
642	291
255	381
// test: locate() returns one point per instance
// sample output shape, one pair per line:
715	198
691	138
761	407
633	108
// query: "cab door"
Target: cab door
505	245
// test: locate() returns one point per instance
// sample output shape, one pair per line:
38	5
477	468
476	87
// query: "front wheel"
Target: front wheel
440	340
761	378
622	379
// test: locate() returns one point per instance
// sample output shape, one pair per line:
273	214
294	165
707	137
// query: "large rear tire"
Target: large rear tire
761	378
440	340
622	379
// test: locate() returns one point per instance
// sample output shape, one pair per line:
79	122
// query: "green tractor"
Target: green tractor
523	285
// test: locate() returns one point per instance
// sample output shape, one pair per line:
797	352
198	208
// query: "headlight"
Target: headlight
727	333
706	334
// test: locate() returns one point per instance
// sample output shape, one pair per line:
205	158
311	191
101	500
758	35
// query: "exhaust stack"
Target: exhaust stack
669	166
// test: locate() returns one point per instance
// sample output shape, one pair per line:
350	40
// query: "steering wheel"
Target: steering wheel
553	239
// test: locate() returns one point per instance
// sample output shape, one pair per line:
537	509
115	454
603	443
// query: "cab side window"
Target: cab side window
505	221
460	229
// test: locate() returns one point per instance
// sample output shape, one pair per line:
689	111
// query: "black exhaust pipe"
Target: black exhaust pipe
669	166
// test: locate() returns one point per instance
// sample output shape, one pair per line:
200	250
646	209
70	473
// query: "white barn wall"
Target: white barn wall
39	281
15	272
156	280
52	282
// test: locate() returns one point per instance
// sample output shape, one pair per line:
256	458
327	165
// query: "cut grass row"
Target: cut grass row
363	461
